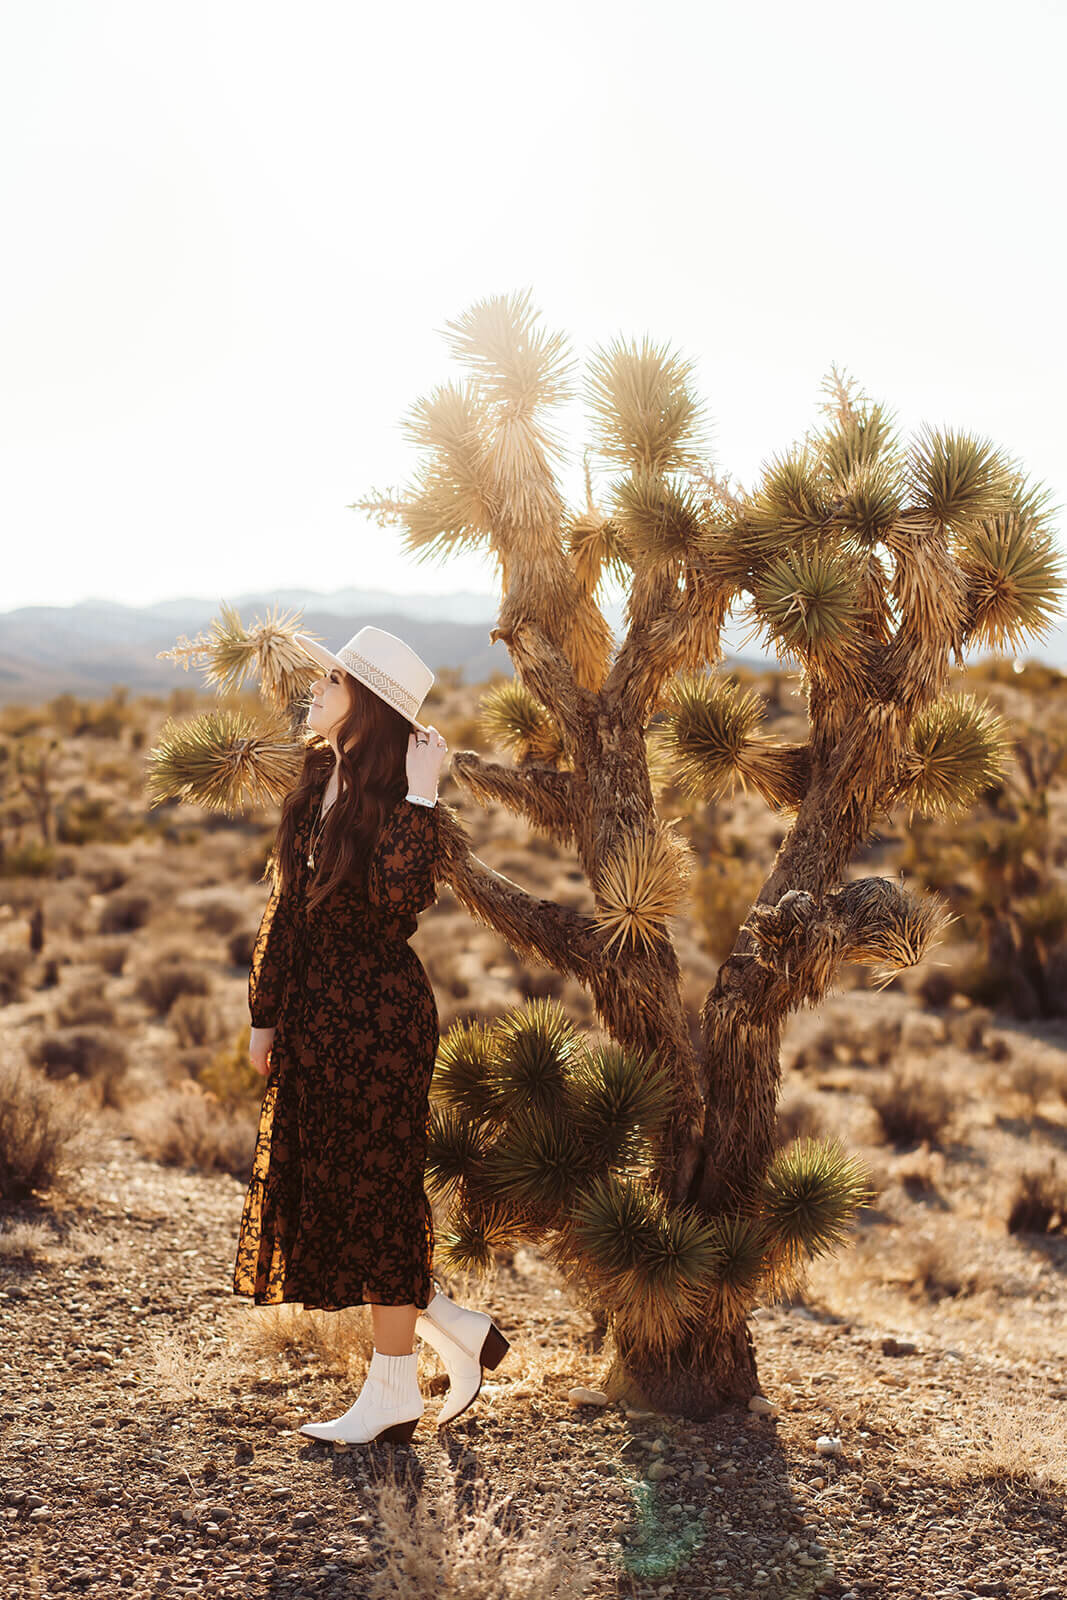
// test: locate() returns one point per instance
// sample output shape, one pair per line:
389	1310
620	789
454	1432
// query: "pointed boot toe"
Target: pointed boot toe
388	1406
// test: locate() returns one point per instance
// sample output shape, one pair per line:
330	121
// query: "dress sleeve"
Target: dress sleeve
270	960
403	862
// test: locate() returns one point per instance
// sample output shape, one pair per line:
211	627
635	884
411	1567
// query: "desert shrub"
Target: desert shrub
195	1020
110	954
171	977
936	1272
1039	1201
1034	1081
911	1108
90	821
40	1132
124	913
239	947
34	859
967	1028
219	916
14	962
86	1052
182	1129
84	1005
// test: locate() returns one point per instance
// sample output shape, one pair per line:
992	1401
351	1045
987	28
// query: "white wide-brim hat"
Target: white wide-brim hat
384	664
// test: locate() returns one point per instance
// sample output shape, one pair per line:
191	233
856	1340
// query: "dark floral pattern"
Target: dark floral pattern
336	1214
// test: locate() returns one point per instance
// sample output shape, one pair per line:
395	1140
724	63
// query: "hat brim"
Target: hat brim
326	658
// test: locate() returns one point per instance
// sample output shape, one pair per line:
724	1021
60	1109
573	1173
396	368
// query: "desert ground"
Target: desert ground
913	1439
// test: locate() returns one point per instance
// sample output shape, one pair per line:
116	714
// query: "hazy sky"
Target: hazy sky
233	231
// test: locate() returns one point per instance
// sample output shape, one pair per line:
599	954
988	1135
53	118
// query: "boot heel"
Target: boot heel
400	1432
494	1348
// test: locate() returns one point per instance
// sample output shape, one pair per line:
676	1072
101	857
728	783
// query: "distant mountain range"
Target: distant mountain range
88	648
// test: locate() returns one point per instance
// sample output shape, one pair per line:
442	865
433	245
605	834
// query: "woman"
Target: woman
344	1019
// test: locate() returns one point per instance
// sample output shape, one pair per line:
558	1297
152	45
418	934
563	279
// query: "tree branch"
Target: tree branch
543	796
537	930
671	629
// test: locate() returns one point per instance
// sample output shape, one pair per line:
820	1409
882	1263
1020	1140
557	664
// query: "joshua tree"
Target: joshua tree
649	1168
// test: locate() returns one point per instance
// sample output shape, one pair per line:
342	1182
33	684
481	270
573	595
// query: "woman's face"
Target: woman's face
329	702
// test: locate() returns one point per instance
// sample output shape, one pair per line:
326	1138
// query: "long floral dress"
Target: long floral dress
336	1214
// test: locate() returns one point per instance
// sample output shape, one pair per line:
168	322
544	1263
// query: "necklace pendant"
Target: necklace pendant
311	860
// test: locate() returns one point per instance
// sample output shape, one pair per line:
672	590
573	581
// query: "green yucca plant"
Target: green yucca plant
871	563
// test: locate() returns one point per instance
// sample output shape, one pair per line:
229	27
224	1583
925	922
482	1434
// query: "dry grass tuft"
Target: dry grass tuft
987	1441
24	1241
911	1108
455	1546
188	1368
1039	1203
41	1133
183	1129
342	1341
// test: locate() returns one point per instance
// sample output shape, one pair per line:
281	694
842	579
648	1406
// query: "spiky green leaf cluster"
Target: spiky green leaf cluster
619	1102
515	720
1015	579
707	723
537	1162
793	504
959	748
525	1110
660	518
462	1076
644	411
223	760
811	1193
739	1249
809	602
469	1242
653	1263
537	1049
456	1143
957	478
451	502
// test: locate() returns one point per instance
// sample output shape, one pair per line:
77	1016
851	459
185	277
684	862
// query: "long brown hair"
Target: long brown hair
372	778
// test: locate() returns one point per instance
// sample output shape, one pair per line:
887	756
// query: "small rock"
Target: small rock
898	1347
40	1514
828	1444
304	1519
638	1416
658	1470
762	1406
582	1396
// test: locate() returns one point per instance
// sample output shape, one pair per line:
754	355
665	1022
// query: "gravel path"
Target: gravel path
112	1485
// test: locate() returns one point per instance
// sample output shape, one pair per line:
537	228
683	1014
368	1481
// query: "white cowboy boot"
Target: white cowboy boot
466	1341
389	1404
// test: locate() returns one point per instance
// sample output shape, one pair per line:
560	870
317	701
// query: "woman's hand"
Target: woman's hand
259	1047
426	757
